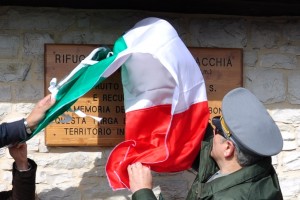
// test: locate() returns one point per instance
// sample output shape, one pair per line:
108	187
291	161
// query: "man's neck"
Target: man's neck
229	167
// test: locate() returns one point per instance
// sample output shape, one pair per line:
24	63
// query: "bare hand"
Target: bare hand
38	112
139	177
19	154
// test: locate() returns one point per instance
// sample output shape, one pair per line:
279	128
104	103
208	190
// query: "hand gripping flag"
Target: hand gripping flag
164	97
88	74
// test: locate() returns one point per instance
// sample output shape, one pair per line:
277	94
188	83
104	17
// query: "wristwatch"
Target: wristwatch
28	130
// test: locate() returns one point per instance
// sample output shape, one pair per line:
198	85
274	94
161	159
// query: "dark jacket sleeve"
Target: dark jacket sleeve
23	184
144	194
207	136
12	132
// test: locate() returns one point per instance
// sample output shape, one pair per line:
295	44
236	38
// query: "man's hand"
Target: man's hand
38	112
19	154
139	177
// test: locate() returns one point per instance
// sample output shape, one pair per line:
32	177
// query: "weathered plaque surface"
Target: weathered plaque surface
221	69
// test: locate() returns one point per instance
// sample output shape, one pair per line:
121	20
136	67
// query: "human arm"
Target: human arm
140	181
39	111
14	132
24	182
24	173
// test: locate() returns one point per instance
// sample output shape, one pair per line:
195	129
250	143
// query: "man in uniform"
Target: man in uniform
235	159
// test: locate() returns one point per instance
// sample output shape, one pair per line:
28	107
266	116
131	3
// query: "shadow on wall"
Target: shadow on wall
93	186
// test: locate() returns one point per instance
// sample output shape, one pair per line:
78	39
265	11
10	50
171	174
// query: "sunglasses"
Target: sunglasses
219	121
219	132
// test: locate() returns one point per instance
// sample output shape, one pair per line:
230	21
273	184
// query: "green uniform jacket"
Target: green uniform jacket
256	182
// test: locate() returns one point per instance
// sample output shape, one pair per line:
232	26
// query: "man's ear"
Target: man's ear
229	151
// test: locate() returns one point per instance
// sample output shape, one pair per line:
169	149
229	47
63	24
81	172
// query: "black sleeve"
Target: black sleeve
6	195
24	182
12	132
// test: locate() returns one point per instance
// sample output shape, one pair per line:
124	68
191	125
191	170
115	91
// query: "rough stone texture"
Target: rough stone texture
291	161
291	30
270	70
265	34
250	58
219	32
290	187
268	90
9	46
5	109
290	49
34	43
278	61
293	87
13	72
5	95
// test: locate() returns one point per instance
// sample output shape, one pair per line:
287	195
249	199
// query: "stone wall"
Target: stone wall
271	68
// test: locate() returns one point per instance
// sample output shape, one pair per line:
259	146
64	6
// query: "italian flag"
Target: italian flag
165	102
164	97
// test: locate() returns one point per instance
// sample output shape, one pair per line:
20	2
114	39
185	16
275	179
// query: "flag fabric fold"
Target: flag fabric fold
165	100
